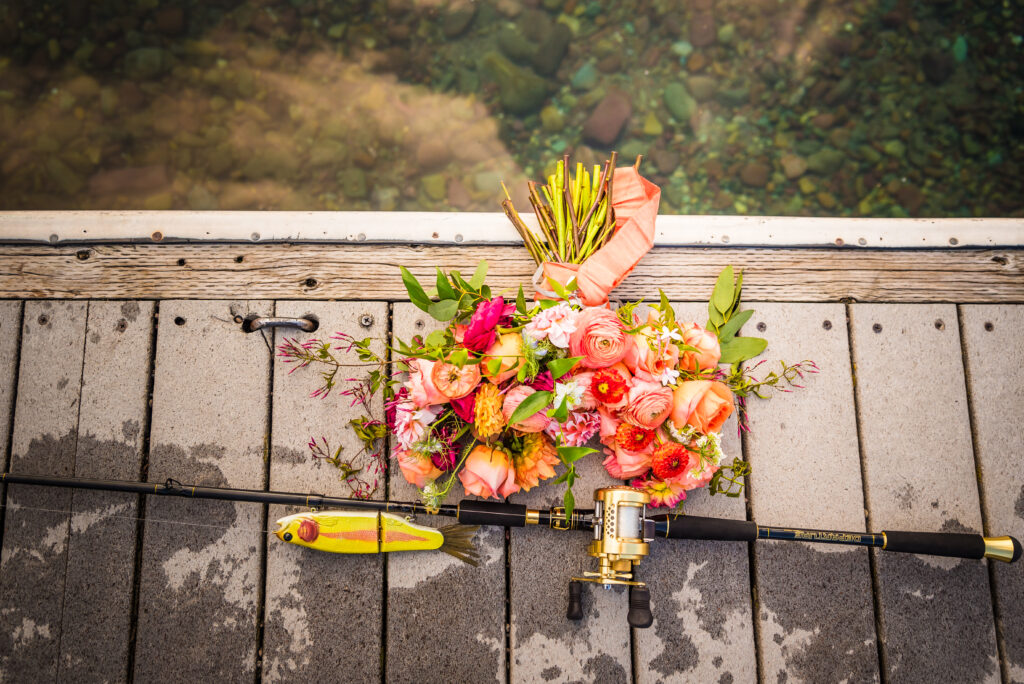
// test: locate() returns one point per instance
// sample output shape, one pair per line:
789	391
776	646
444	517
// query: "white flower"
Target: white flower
411	423
666	335
668	376
571	392
555	324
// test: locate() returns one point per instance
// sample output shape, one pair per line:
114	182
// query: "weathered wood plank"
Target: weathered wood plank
919	465
545	645
313	598
815	605
101	547
200	577
323	271
995	380
700	591
445	619
36	524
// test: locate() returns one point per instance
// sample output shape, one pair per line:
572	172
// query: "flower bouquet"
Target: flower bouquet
510	392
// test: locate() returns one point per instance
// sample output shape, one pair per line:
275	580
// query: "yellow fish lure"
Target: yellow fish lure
374	532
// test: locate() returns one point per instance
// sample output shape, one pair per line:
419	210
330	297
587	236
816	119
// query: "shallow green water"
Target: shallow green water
746	106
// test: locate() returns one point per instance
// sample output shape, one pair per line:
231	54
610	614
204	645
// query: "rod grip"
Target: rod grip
953	544
575	609
498	513
697	527
639	614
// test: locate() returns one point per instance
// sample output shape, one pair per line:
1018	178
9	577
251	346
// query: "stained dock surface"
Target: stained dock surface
916	421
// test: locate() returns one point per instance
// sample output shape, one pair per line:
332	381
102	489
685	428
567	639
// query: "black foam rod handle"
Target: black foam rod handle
696	527
575	610
951	544
473	512
639	614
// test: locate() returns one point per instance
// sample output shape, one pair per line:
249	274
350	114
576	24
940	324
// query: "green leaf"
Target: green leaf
416	294
435	338
521	301
561	414
721	297
742	348
558	289
444	288
668	314
533	403
459	357
478	275
569	501
570	454
560	367
493	366
739	289
715	319
521	373
729	330
443	310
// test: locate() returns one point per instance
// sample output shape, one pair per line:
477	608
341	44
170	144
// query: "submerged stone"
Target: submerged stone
679	102
520	91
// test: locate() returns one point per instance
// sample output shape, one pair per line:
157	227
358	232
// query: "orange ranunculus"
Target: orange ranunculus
488	472
704	404
648	404
645	356
422	390
509	349
622	464
706	342
417	468
600	338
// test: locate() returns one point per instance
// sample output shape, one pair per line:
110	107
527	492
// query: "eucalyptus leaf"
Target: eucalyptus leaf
715	319
729	330
478	275
530	405
493	365
416	294
521	301
435	338
444	288
742	348
560	367
739	289
443	310
459	357
722	296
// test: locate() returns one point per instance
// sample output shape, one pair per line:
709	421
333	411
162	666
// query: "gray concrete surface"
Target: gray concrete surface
936	616
700	591
445	619
200	582
314	598
816	616
95	635
35	551
995	381
10	321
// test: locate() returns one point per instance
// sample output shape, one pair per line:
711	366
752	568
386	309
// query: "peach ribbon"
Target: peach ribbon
635	200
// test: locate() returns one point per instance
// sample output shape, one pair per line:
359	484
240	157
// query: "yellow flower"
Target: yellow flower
534	463
488	418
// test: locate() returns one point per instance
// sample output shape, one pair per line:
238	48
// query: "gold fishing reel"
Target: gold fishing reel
622	536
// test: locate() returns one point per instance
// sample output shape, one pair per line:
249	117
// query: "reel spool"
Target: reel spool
622	536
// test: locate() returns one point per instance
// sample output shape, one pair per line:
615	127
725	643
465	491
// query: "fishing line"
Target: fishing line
17	507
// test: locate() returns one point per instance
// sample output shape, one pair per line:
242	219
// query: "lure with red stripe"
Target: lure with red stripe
373	532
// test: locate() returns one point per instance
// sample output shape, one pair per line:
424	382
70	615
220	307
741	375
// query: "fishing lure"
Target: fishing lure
374	532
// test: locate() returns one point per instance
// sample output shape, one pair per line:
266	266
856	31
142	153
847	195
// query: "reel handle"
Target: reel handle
639	615
575	611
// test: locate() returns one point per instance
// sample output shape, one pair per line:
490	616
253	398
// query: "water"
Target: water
795	107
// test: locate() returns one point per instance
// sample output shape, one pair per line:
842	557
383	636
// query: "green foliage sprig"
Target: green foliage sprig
725	319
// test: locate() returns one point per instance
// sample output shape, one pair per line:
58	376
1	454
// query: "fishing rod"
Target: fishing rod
622	529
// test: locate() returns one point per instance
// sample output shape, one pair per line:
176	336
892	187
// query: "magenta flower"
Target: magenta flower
483	324
543	382
464	407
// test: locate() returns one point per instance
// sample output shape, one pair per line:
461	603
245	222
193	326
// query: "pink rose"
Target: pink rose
622	464
483	324
600	338
488	472
647	356
647	405
422	390
417	468
703	404
513	398
706	342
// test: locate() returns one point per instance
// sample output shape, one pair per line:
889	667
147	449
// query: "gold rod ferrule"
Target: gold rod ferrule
1000	548
532	517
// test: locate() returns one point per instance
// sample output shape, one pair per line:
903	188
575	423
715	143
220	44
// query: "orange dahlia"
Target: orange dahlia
487	416
536	461
633	438
608	386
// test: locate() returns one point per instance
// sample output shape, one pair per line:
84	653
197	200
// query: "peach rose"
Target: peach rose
648	404
508	348
488	472
600	338
687	480
422	390
703	404
706	342
417	468
513	398
645	356
609	425
622	464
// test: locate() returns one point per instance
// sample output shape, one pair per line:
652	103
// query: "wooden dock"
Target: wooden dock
129	361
